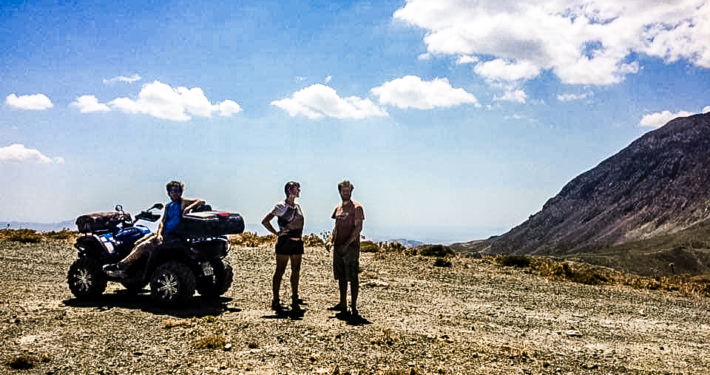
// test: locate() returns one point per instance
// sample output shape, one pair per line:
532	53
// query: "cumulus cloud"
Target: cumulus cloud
228	108
466	59
500	70
162	101
518	96
89	103
412	92
318	101
18	153
582	42
36	102
571	97
131	79
706	109
658	119
328	79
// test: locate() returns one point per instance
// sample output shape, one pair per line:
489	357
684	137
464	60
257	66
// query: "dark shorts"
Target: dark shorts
287	246
346	263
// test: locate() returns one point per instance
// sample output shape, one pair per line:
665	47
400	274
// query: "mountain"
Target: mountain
658	185
40	227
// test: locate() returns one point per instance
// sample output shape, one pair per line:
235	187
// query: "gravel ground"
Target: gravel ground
471	318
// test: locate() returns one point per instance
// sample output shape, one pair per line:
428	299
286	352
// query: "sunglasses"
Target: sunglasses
175	191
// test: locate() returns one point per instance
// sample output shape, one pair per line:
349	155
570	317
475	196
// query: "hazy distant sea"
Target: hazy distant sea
428	235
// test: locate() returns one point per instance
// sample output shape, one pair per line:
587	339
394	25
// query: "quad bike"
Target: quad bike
194	259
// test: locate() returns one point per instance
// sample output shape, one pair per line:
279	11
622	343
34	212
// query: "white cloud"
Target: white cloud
500	70
466	59
412	92
658	119
228	108
159	100
581	41
131	79
300	78
318	101
706	109
36	102
571	97
18	153
89	103
518	96
328	79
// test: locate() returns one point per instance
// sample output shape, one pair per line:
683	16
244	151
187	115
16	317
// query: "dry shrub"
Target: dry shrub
313	240
441	262
209	342
170	323
253	344
369	247
251	239
21	235
595	275
514	261
400	372
22	362
431	251
64	234
388	338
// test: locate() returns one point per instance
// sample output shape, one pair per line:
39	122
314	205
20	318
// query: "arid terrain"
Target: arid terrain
475	317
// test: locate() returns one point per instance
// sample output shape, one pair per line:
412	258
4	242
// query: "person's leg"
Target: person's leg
281	262
295	275
343	286
354	290
138	251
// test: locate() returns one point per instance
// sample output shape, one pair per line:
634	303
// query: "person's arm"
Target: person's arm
191	206
355	233
159	232
359	216
267	223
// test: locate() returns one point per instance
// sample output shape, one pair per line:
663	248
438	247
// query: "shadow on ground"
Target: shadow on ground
197	307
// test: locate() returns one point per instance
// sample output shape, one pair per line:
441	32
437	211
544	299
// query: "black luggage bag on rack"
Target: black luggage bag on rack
210	224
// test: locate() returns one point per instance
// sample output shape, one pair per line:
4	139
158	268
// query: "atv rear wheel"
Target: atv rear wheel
215	286
86	279
172	283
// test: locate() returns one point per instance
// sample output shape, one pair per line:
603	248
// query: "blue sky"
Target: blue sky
455	120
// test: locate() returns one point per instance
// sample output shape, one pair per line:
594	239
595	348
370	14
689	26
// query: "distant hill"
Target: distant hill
40	227
658	185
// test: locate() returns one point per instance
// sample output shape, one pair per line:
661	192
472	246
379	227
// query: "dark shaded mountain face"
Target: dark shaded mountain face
659	184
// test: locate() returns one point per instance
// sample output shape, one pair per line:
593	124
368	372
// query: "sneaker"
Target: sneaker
296	301
114	270
354	312
276	305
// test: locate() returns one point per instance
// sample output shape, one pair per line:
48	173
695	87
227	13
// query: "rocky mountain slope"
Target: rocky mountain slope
660	184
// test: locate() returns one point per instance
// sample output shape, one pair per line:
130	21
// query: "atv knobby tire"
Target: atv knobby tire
172	283
86	279
215	286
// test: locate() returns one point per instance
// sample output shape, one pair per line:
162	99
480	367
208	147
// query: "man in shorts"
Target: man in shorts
345	241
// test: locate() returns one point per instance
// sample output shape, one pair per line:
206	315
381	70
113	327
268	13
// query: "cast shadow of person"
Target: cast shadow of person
351	320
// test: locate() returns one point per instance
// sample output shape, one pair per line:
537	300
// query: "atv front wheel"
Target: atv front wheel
218	284
172	283
86	279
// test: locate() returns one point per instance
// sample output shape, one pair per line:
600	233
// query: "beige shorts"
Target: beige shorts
346	263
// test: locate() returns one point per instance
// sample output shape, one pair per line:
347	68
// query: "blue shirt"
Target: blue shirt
173	212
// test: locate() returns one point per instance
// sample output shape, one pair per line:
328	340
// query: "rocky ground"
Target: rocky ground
472	318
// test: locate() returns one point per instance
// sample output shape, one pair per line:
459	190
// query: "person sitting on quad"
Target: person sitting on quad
171	217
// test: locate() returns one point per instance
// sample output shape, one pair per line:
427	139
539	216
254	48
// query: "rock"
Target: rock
573	333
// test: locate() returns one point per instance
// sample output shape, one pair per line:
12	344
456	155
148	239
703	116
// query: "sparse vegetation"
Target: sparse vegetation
210	342
32	236
596	275
442	262
26	361
252	239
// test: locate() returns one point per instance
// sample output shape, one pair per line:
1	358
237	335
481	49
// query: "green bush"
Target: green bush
21	235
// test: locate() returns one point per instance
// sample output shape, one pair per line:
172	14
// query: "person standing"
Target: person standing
345	241
289	244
